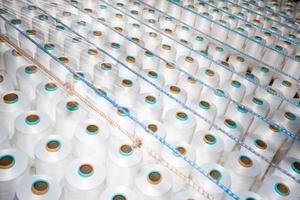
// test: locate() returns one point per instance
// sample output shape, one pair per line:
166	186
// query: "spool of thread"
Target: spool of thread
243	169
155	77
4	138
209	147
153	182
73	47
6	83
43	22
13	167
148	141
35	35
132	63
184	33
84	178
191	86
287	88
248	82
218	173
30	127
248	195
200	43
217	98
173	158
276	188
133	46
270	97
88	59
97	36
118	19
274	57
293	151
180	125
210	77
99	101
123	163
235	89
135	30
52	154
82	27
204	60
121	117
206	109
237	40
44	58
188	63
125	92
202	23
166	22
69	112
28	77
91	139
263	74
257	105
238	62
169	72
60	71
67	16
218	31
115	49
105	75
231	127
14	33
79	85
13	60
38	187
255	48
29	12
118	192
287	119
270	39
224	71
167	52
149	60
152	40
217	52
3	48
291	66
149	107
177	93
113	36
12	104
231	20
57	35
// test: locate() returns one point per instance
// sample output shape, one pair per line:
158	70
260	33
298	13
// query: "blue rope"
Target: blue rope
89	84
176	100
246	21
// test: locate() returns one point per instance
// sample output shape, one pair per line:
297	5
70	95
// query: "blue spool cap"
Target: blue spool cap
10	98
124	112
126	150
150	99
86	170
32	119
92	129
204	105
7	161
216	174
50	87
281	189
230	123
72	105
209	139
296	167
181	116
31	69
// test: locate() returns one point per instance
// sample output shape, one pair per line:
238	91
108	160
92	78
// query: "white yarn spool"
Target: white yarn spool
57	35
133	46
13	60
235	89
231	127
73	47
30	127
118	19
173	158
217	98
6	83
27	44
250	87
88	59
218	173
121	118
84	178
167	52
105	75
29	12
118	192
82	27
236	40
103	11
277	188
180	125
216	15
255	48
184	33
149	60
257	105
238	62
60	70
270	97
217	52
204	60
3	48
152	40
43	22
243	169
135	30
169	72
67	17
153	182
270	39
287	119
14	33
28	77
43	58
232	22
202	23
218	31
115	49
149	141
206	109
91	139
131	63
69	112
224	71
200	43
97	37
78	84
4	138
209	147
125	92
291	66
166	22
52	154
13	167
274	58
117	37
174	10
38	187
210	77
240	115
188	63
287	88
293	151
177	93
149	107
47	96
263	74
12	104
248	195
191	86
155	77
123	164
